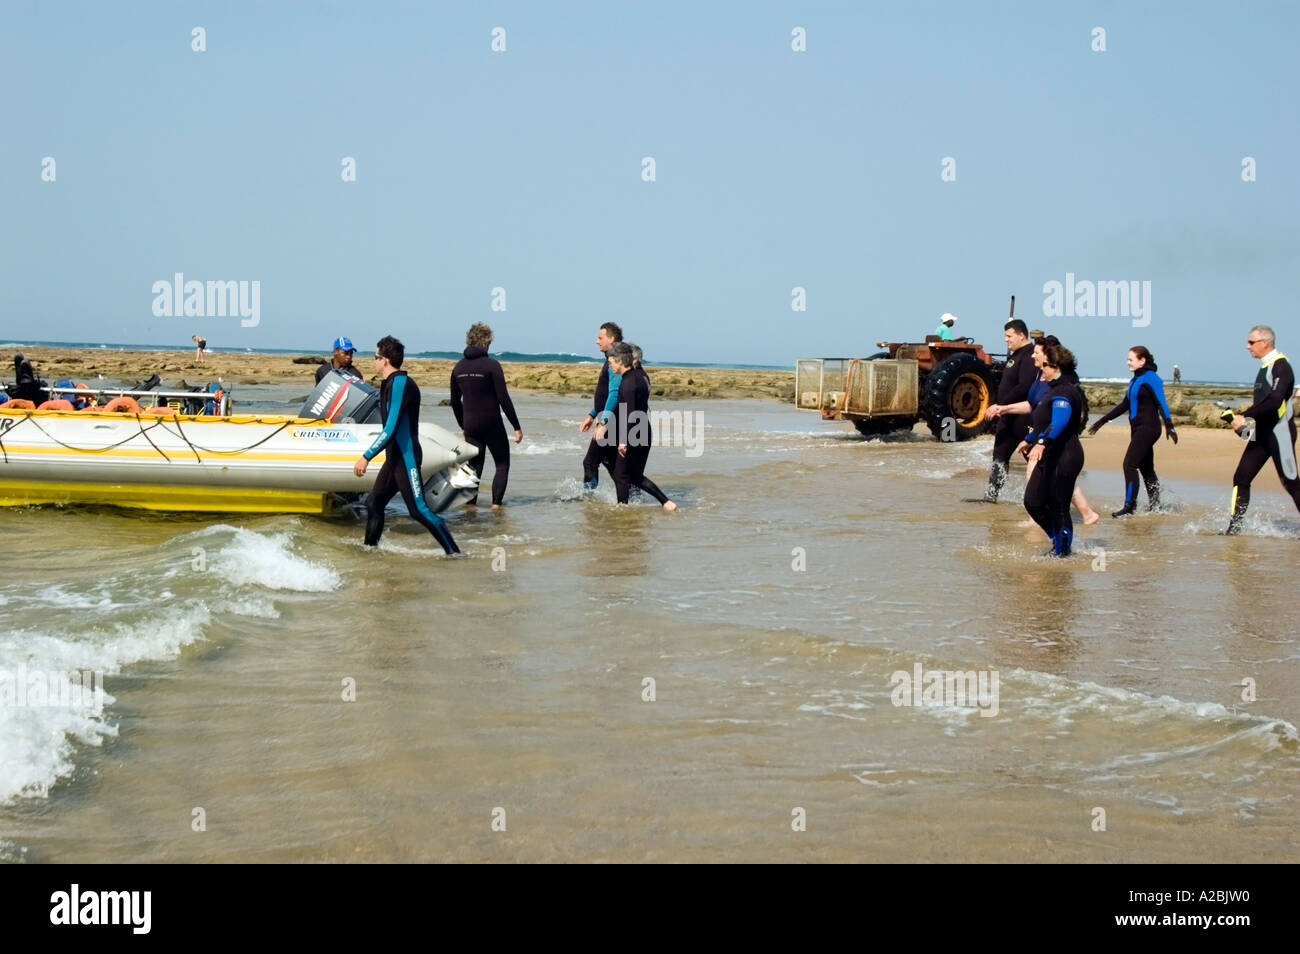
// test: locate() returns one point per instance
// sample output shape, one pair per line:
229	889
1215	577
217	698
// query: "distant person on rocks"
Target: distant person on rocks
478	397
341	360
607	336
1275	430
399	409
1018	377
944	331
1178	375
1145	402
200	345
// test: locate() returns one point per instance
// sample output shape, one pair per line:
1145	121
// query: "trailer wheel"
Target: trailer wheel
956	393
876	426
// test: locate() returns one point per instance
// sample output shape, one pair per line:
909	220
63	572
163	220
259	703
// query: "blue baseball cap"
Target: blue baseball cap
344	344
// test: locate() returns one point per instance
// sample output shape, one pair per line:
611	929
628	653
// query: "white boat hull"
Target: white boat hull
242	462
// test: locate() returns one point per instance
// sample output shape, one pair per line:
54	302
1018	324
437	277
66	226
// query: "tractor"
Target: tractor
947	384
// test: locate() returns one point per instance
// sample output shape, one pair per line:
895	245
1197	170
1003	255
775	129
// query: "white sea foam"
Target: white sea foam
268	560
155	613
38	744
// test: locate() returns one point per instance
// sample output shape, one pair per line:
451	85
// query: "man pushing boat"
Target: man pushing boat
399	408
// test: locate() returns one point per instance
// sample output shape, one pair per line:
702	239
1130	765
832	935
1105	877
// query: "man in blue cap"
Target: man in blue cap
342	361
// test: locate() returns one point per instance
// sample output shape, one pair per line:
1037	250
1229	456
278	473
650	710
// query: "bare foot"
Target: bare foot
1090	518
670	506
496	506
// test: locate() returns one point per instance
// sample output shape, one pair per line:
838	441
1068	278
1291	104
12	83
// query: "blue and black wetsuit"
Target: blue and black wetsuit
1056	423
1147	410
1275	435
399	407
596	451
478	397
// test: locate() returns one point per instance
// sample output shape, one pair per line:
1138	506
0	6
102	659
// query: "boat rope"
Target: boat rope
144	431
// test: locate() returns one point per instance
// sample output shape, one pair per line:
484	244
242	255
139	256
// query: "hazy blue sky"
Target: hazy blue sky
774	169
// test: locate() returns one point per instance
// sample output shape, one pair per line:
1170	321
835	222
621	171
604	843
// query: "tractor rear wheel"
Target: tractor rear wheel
955	395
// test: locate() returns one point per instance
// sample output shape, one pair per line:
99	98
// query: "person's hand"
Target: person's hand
1036	453
993	411
359	468
622	450
519	436
1023	448
586	424
1170	433
1092	431
1238	422
599	433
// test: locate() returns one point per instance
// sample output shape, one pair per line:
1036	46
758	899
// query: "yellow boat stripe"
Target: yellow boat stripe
182	453
20	493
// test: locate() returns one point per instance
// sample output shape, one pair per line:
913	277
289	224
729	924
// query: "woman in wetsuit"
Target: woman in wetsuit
1145	402
478	396
629	446
1037	392
1053	442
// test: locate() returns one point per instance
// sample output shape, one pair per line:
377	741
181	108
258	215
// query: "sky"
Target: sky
913	159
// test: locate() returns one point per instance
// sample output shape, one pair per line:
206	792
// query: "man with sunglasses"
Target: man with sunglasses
1275	433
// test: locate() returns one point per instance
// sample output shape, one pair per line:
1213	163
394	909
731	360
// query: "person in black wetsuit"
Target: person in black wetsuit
1275	430
1053	441
200	344
607	336
1147	409
1017	378
1037	392
632	434
399	408
341	360
478	396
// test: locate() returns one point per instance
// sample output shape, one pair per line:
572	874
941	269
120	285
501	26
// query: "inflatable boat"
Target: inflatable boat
162	458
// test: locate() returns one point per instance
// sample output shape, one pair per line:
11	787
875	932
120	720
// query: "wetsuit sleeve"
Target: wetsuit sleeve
1061	414
1114	412
1283	383
611	402
1158	389
394	415
503	397
603	380
457	403
321	372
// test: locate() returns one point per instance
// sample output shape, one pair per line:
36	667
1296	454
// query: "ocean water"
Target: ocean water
625	684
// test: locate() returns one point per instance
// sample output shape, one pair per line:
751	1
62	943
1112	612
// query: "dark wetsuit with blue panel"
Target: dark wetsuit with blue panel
1056	423
596	450
1147	411
399	408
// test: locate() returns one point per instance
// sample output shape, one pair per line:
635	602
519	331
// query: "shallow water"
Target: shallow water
806	567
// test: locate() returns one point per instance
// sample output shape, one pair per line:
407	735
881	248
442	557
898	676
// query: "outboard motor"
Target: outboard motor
454	485
341	397
26	385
